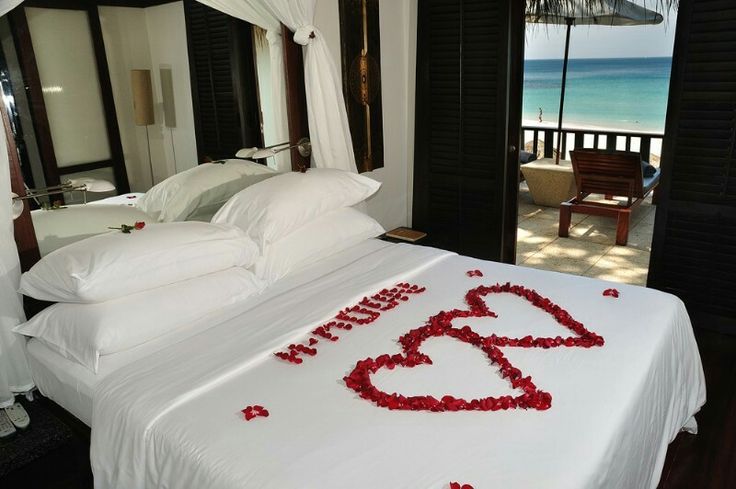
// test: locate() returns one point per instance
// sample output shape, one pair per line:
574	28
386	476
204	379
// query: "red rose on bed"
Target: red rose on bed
127	228
457	485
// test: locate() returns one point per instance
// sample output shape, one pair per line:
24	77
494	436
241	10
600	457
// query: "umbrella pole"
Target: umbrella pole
570	21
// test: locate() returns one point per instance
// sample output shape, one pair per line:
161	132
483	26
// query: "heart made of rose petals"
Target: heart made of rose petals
359	380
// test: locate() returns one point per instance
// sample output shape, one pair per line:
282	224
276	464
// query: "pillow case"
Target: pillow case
202	189
318	239
274	208
84	332
112	265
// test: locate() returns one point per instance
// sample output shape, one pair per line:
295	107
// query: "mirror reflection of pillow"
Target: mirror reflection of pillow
197	193
112	265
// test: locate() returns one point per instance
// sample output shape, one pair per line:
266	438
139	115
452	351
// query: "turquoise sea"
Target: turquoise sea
618	93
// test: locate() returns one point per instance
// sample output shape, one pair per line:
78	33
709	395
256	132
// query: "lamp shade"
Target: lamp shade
140	81
264	153
18	205
246	153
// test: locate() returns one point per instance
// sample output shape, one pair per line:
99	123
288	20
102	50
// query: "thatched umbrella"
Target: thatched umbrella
586	12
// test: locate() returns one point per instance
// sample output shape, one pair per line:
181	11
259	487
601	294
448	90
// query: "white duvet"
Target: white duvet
173	420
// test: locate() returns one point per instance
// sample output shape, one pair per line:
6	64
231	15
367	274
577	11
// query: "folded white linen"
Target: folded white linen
84	332
201	190
280	205
318	239
116	264
614	408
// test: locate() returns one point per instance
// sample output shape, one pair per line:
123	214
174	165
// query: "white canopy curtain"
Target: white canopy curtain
332	145
15	376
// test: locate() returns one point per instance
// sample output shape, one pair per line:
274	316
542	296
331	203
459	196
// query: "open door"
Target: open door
470	56
694	246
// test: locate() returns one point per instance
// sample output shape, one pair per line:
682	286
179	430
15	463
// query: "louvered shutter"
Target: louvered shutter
462	161
694	248
223	82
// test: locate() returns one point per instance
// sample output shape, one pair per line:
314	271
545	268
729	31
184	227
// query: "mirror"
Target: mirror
66	81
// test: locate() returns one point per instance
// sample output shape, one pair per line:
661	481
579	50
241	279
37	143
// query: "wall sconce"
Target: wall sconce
304	146
83	185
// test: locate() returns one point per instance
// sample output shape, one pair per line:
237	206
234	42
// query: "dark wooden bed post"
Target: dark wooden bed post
296	96
25	234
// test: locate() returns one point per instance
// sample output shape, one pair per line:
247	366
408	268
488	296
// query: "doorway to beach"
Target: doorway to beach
615	102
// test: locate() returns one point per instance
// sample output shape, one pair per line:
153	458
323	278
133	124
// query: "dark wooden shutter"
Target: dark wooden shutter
224	89
469	57
694	248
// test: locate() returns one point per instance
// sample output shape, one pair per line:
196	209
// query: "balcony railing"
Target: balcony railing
647	143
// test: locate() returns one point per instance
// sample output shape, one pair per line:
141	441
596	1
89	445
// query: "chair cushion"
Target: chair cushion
650	182
647	170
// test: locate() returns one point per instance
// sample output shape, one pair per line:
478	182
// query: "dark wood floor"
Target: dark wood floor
708	460
705	461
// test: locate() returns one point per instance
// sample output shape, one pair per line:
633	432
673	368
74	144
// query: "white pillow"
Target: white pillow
115	264
84	332
274	208
318	239
202	189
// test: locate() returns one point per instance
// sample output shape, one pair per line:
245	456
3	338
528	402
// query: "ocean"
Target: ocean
615	93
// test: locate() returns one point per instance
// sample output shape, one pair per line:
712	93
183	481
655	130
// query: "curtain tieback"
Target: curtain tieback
304	34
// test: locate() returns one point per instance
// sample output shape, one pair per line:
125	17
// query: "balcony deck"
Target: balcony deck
590	250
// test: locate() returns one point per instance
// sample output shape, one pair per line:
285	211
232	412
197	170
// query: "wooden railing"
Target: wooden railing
573	138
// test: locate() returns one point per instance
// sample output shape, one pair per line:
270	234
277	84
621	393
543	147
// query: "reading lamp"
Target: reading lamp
83	185
304	146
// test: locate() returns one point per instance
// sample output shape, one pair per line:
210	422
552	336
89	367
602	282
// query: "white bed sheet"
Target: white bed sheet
72	386
172	420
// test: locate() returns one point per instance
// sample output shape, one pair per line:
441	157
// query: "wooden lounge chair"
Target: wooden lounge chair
612	174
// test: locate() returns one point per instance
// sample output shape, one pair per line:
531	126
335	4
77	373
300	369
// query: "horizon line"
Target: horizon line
597	57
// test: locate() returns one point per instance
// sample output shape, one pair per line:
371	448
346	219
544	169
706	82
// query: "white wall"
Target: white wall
168	39
126	44
392	205
150	39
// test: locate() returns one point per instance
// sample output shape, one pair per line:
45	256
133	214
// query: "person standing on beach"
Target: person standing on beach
540	114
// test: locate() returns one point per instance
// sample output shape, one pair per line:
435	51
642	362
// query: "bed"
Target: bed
600	414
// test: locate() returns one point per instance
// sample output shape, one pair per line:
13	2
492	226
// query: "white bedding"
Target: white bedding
173	419
72	386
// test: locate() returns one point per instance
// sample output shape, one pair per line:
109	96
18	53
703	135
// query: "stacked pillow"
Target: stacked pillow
116	290
299	218
197	193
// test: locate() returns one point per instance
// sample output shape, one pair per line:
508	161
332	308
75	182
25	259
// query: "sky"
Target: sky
548	42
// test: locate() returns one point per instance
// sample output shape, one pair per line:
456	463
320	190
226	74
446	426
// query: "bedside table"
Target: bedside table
404	235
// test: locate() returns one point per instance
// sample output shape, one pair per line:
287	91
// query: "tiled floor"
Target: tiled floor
590	250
